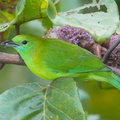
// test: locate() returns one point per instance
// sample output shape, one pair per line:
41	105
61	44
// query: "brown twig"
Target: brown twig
11	59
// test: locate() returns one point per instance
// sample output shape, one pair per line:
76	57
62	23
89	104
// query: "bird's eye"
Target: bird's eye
24	42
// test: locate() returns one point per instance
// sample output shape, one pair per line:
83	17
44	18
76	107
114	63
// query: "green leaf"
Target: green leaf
59	101
46	23
7	9
51	10
27	10
118	29
55	1
64	5
99	23
3	35
3	19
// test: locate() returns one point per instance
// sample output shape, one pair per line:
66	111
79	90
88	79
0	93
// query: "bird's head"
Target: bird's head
26	45
23	43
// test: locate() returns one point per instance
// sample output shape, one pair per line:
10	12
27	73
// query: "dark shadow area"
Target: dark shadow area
94	9
87	1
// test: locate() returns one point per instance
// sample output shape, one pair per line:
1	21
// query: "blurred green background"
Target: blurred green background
101	104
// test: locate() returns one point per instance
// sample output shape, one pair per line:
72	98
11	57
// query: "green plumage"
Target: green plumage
51	58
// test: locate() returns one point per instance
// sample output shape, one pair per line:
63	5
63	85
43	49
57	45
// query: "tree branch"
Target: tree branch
11	59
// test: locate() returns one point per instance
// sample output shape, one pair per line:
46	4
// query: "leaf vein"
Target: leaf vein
27	107
59	110
64	93
23	96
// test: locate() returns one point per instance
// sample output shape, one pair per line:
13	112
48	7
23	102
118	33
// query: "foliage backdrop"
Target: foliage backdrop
104	103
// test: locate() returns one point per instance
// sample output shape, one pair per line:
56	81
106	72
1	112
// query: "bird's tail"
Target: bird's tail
103	76
108	77
115	80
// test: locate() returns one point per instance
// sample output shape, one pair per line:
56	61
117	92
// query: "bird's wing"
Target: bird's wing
65	57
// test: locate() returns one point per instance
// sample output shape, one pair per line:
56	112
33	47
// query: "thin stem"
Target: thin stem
17	29
11	59
105	57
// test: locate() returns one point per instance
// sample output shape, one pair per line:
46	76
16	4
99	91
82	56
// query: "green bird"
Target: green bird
50	58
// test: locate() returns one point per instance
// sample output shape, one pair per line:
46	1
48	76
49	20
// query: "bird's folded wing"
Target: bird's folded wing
61	56
76	63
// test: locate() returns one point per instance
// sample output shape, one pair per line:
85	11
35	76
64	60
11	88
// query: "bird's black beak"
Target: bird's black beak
9	43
